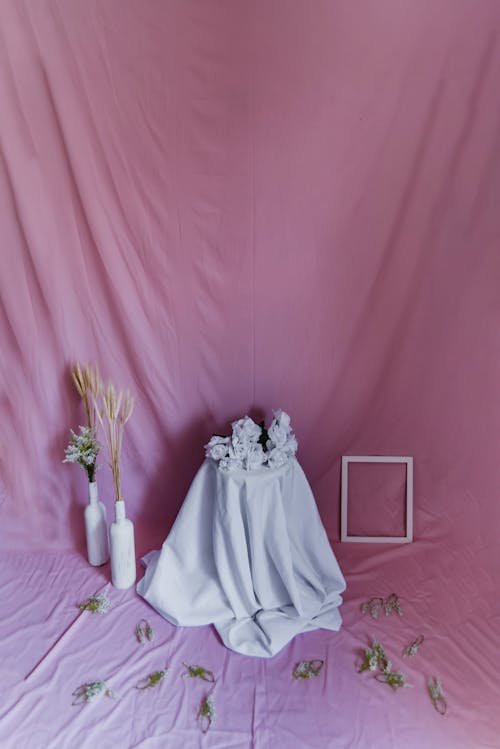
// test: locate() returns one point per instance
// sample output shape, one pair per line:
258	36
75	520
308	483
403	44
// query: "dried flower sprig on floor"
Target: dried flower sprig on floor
393	679
83	449
374	658
372	605
151	680
89	691
437	695
412	649
87	383
307	669
392	605
99	604
206	715
198	672
144	631
118	409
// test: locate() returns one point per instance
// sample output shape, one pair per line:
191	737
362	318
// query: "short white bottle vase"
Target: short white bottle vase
121	538
96	528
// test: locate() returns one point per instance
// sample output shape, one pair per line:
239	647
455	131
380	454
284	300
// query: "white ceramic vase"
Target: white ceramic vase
96	528
121	538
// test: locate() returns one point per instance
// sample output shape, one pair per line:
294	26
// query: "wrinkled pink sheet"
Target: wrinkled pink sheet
48	649
236	206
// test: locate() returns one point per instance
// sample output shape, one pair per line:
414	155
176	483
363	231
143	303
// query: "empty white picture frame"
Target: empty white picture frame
344	531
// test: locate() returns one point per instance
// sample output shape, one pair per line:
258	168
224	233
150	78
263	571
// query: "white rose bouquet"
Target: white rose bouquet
252	446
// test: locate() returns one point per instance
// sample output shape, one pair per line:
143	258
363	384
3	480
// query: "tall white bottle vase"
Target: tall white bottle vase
121	538
96	528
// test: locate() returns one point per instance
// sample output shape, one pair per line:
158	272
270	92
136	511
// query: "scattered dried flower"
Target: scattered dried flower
437	695
144	632
374	658
206	715
89	691
393	679
372	605
151	680
99	604
198	672
412	649
392	605
307	669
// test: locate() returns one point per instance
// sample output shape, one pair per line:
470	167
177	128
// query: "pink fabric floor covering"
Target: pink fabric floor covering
49	648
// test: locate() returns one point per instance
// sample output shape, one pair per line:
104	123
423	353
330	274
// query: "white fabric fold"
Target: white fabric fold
248	553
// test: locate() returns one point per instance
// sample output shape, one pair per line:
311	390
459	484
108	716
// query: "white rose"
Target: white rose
277	435
246	430
256	456
276	458
291	445
283	419
217	447
218	440
238	450
230	464
218	451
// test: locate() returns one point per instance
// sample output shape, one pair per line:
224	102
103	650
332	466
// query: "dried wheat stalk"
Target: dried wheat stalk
118	409
88	383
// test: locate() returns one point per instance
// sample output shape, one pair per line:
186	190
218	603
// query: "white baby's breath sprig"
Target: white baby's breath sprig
308	669
392	605
206	715
193	671
89	691
83	449
372	605
151	680
437	695
412	649
144	631
393	679
374	658
99	604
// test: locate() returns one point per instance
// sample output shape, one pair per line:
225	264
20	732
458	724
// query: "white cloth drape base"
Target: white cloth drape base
248	553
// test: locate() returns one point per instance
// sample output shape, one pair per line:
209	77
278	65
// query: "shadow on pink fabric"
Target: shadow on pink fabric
234	206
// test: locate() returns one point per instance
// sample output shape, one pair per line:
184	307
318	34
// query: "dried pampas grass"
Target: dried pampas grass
117	409
88	383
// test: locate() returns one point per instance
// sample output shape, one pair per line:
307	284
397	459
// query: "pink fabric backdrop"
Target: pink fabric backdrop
237	206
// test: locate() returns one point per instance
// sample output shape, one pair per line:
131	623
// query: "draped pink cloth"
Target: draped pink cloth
236	206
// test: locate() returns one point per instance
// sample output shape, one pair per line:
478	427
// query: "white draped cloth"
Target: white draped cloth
249	554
